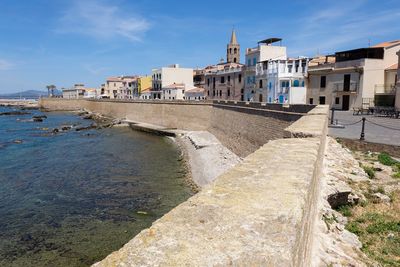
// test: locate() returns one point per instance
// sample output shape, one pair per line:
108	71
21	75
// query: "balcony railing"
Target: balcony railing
341	87
385	89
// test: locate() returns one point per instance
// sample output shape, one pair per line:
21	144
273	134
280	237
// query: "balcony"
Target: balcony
341	88
383	89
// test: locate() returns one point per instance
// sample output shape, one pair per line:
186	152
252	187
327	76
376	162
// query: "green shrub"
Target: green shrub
387	160
345	210
369	171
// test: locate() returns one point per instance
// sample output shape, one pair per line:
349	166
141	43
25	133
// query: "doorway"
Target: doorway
346	83
346	102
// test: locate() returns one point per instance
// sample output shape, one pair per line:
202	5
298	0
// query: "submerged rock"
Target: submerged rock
13	113
91	126
37	119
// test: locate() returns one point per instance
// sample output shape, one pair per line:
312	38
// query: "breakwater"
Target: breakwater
261	212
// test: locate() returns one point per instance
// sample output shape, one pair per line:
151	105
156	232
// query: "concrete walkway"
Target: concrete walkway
377	129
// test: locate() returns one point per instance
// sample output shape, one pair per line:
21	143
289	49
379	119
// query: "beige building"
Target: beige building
76	92
167	76
356	78
120	87
225	81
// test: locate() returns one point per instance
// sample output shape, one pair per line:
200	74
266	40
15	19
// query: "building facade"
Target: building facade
358	78
120	87
263	52
282	81
225	81
141	84
167	76
76	92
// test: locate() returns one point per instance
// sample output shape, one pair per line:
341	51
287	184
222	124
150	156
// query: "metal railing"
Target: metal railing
340	87
385	89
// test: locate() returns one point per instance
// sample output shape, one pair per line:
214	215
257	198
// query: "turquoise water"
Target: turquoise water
70	199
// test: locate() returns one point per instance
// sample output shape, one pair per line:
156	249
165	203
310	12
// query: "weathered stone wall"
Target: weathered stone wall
243	128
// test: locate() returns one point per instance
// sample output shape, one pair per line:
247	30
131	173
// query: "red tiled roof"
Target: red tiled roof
387	44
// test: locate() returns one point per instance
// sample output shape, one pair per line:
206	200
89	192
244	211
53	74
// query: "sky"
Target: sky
64	42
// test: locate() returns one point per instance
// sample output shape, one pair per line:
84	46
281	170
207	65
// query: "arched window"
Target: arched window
296	83
235	50
260	98
261	85
234	59
230	50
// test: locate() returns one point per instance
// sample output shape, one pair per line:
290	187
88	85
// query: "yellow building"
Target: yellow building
142	84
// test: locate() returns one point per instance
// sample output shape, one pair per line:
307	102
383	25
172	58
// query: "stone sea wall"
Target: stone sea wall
259	213
242	129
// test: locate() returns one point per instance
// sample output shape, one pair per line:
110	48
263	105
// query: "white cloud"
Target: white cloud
5	65
102	21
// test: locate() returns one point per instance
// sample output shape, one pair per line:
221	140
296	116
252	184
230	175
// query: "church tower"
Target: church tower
233	50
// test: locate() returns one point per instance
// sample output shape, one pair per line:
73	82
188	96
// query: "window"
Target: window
229	92
230	50
248	62
254	61
208	82
248	80
322	100
337	100
311	101
222	79
240	78
296	83
229	78
235	51
260	84
220	92
323	82
213	92
234	60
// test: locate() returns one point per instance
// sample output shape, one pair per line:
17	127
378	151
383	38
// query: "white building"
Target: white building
282	81
196	94
76	92
167	76
175	91
263	52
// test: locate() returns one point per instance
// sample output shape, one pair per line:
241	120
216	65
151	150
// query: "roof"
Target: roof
388	44
233	38
393	67
270	40
195	90
175	85
145	90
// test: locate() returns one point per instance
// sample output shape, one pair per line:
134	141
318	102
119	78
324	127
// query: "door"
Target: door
346	83
346	102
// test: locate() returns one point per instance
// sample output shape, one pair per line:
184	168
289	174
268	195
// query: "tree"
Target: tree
50	90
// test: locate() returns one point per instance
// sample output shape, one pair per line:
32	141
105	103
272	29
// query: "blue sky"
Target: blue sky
63	42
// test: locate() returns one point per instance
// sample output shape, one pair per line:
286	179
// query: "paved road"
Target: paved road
373	133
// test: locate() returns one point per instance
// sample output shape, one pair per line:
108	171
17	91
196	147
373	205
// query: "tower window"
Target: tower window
234	60
240	78
230	50
261	85
235	50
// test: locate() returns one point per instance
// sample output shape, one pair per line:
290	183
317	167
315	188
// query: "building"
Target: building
199	79
175	91
196	94
120	87
397	104
141	84
167	76
281	81
225	81
263	52
145	94
358	78
76	92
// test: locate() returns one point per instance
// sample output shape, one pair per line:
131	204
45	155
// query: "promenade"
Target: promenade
381	130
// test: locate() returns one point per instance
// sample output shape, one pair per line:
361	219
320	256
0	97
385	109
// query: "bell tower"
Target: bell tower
233	50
